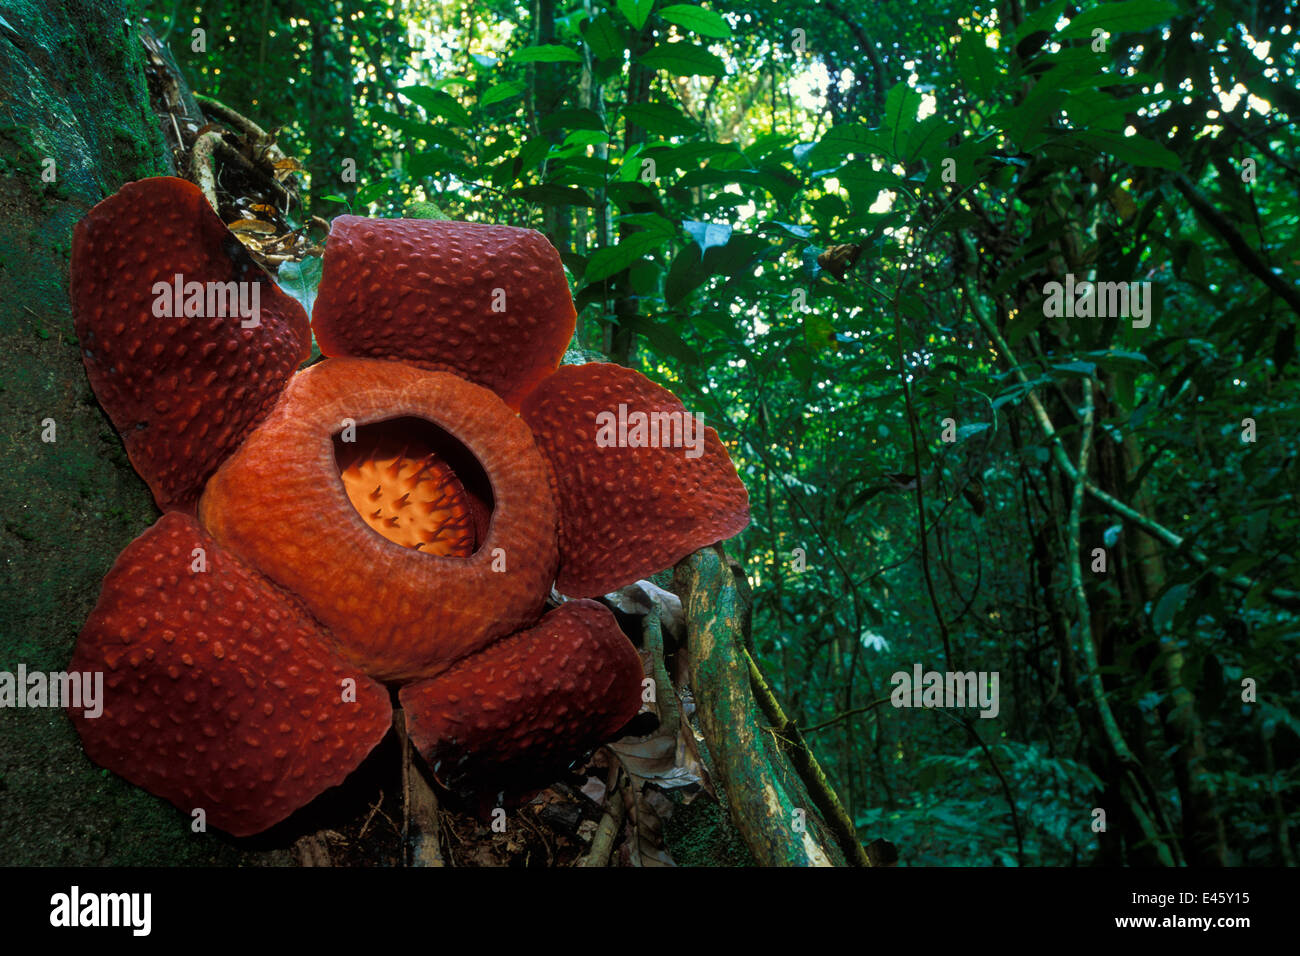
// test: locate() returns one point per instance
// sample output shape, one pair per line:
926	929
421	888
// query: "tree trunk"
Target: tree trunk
76	124
1203	839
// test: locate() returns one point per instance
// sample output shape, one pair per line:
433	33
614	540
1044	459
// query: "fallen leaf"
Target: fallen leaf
255	226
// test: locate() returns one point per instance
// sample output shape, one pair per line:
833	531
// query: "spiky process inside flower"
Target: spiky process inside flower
406	491
283	502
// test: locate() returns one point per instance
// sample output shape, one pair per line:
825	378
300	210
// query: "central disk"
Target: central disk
398	478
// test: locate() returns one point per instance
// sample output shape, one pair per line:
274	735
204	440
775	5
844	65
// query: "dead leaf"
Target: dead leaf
255	226
838	260
1123	203
640	598
284	168
646	818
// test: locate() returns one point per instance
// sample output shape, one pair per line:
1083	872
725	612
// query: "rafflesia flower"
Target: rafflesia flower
393	516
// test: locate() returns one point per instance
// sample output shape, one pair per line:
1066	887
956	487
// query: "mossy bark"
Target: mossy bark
75	124
768	802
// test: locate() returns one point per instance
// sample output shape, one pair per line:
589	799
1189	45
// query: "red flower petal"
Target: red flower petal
181	391
530	703
626	512
489	303
397	612
219	691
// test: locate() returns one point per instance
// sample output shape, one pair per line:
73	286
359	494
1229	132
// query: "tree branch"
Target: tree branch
1245	253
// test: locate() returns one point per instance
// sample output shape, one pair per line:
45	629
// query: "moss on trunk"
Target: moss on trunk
72	91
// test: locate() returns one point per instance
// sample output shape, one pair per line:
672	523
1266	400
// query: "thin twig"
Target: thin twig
847	714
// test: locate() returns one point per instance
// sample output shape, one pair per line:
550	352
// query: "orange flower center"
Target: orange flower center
397	476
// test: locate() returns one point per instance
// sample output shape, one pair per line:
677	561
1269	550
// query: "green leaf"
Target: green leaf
707	234
901	105
660	118
1043	18
636	11
651	222
841	139
435	162
532	153
604	38
1126	390
613	259
416	129
1120	361
301	280
586	137
774	178
1134	150
1089	109
685	274
927	138
643	277
437	103
704	22
739	257
629	167
500	93
369	193
978	65
683	59
411	127
547	53
1168	605
494	150
663	338
789	228
958	221
571	119
858	176
689	155
1130	16
1076	369
552	194
439	136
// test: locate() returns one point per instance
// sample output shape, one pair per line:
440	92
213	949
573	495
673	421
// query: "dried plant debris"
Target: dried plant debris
239	166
